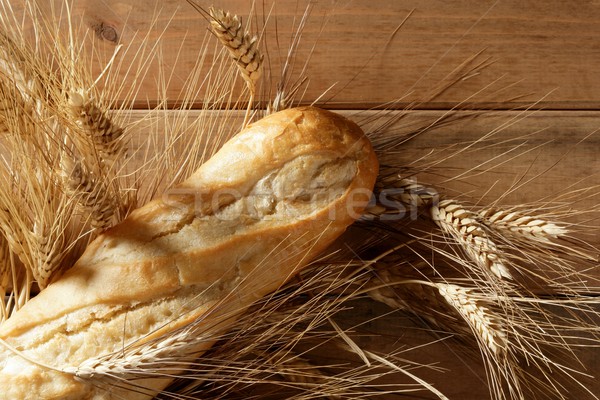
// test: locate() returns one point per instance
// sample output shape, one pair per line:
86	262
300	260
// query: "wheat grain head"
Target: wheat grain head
242	47
106	136
515	222
483	324
463	226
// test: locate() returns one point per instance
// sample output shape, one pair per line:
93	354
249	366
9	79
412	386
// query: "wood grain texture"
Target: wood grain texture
545	52
553	151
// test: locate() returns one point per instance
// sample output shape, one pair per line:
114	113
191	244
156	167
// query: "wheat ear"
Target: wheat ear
89	170
147	358
518	223
242	47
48	243
464	226
105	134
31	198
91	193
47	251
483	324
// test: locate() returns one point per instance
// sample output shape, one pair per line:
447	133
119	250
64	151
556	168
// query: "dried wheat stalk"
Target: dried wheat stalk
39	242
431	302
464	226
483	324
92	193
416	296
300	371
400	284
107	137
517	223
396	197
242	47
15	239
26	88
16	65
91	157
166	354
5	278
34	228
47	242
39	211
15	112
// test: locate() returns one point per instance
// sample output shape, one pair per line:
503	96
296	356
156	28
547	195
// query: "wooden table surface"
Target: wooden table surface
544	53
530	73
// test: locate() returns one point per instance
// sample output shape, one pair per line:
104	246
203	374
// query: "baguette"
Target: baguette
189	262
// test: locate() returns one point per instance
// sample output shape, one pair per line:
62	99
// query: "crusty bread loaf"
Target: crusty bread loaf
267	203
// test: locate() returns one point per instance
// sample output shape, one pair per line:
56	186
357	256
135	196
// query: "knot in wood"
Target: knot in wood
106	32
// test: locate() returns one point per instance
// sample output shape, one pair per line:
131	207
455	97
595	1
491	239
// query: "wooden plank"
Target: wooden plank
546	52
522	157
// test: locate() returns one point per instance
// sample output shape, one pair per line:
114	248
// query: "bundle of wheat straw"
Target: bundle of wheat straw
502	283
